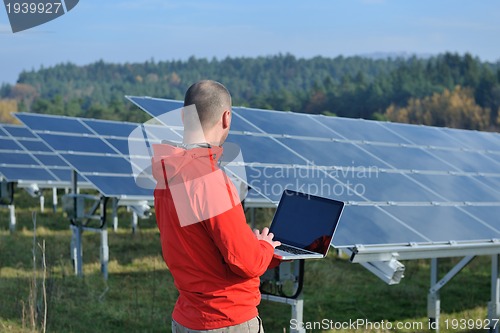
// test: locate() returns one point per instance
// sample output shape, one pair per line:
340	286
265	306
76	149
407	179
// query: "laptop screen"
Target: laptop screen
306	221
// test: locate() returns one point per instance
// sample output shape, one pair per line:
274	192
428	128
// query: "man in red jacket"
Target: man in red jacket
214	257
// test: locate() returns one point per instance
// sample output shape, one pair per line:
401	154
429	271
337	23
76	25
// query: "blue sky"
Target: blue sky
138	30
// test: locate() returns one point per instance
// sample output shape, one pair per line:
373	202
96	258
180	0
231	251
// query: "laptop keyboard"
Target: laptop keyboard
292	250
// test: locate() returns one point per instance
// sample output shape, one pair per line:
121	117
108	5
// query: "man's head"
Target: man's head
213	105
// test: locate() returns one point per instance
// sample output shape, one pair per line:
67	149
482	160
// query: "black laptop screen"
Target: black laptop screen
306	221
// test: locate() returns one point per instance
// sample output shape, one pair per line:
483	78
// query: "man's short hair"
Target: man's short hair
211	99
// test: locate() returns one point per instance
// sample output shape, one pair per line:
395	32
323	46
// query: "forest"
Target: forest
449	89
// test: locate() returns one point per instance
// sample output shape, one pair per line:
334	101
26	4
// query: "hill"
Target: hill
357	87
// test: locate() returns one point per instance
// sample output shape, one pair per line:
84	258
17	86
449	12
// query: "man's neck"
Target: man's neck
197	139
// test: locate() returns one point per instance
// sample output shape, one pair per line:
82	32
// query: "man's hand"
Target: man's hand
265	235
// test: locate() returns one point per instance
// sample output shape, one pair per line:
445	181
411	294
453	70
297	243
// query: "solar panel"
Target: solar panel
98	150
403	184
26	159
284	123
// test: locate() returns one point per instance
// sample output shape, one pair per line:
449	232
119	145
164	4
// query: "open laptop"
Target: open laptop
304	224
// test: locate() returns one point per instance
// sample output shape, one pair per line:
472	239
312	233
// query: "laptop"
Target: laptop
305	225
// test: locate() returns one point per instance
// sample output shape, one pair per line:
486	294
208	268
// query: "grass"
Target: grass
139	294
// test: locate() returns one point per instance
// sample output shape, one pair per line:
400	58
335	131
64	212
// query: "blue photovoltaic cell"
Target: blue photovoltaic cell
160	133
2	132
447	223
408	158
52	123
264	150
275	122
491	182
458	188
370	225
360	130
76	144
50	160
272	181
487	215
35	145
332	153
16	158
108	128
8	144
106	164
384	187
118	186
18	131
469	161
156	107
18	173
475	139
495	157
120	144
238	124
65	175
423	135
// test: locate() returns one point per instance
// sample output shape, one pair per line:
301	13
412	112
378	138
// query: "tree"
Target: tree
456	109
8	106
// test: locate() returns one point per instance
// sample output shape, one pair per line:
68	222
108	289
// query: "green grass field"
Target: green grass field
139	294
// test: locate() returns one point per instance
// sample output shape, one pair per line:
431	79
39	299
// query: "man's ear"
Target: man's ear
226	119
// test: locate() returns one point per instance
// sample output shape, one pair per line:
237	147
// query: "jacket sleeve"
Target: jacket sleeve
246	256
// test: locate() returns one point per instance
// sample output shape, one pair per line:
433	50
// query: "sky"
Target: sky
138	30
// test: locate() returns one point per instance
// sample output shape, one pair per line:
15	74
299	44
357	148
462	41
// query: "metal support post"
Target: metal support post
298	314
54	199
104	252
433	305
433	301
12	215
76	249
42	203
494	304
104	239
115	213
135	219
297	320
76	230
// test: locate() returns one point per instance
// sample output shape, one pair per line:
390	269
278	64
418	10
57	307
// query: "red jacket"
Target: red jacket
216	261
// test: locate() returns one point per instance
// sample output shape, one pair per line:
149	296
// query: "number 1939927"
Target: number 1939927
33	7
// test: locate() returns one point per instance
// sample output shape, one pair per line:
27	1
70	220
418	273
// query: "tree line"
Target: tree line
445	90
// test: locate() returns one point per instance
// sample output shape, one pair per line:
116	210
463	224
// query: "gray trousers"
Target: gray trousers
252	326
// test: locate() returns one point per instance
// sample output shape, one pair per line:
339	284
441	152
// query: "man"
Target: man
214	257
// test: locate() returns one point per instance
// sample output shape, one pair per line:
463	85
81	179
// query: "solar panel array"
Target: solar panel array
98	150
24	158
403	183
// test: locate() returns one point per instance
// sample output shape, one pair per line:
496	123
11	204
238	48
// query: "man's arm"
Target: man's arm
247	253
